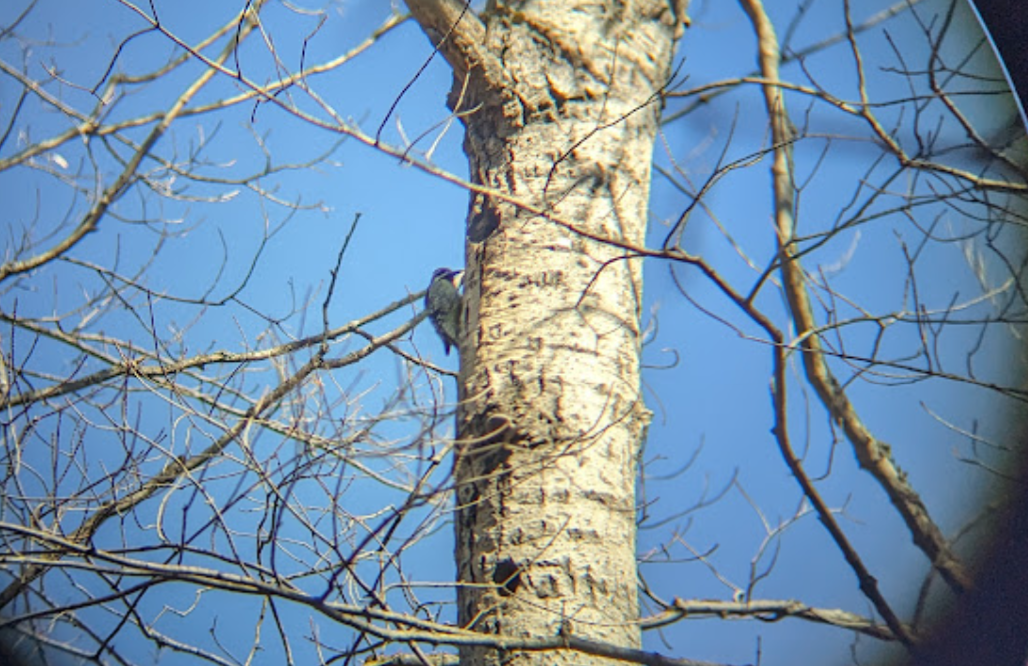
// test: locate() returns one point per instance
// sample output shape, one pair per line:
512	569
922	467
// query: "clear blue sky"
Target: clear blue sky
708	385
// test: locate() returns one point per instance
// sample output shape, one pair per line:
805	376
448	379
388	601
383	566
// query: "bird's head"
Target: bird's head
450	275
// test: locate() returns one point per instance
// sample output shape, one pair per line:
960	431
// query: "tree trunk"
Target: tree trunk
562	102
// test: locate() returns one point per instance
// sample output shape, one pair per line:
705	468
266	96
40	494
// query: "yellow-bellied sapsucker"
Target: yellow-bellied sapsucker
442	300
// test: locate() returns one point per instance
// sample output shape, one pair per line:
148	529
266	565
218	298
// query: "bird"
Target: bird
442	300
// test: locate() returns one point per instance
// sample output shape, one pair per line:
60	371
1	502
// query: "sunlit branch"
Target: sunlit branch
873	455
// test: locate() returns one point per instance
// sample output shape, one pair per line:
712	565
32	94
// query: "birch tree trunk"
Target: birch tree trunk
561	102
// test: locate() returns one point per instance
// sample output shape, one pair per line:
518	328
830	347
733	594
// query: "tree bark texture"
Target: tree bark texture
561	103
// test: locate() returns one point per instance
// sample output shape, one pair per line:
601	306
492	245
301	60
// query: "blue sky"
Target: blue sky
708	379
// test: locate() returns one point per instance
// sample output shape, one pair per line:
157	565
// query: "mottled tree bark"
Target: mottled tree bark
562	102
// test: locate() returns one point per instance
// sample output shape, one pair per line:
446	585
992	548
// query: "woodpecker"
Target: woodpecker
442	300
